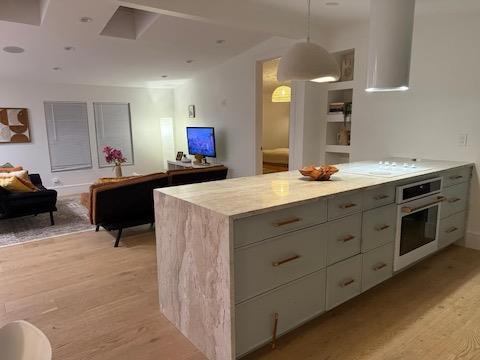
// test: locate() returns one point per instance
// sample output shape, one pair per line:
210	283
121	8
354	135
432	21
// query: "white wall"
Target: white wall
147	108
443	102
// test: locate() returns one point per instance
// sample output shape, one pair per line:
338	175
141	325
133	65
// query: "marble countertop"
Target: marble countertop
245	196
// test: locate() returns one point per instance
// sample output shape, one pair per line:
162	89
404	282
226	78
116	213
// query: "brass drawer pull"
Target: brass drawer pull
347	282
274	332
380	197
379	266
347	206
456	177
409	209
287	221
451	230
281	262
453	200
382	227
347	238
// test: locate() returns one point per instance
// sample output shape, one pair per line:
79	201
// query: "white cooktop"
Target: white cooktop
386	169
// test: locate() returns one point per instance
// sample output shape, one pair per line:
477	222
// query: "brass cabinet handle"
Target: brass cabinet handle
274	332
453	200
409	209
380	197
379	266
287	221
456	177
382	227
347	206
451	230
281	262
347	282
347	238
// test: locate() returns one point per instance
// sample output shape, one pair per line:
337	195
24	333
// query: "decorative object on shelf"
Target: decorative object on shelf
115	157
347	67
308	61
336	107
179	156
282	94
185	159
390	45
14	126
343	135
321	173
191	111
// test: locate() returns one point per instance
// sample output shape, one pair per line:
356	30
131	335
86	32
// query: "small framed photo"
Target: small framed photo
191	111
179	155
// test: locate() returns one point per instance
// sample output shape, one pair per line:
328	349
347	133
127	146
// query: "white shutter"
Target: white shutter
113	127
68	136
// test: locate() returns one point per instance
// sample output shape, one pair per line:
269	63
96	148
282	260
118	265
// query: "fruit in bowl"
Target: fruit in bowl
321	173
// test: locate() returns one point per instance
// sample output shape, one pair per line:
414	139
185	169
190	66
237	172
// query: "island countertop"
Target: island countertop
245	196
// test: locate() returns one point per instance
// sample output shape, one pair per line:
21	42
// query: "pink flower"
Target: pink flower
113	155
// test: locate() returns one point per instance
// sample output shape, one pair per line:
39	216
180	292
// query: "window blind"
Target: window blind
68	135
113	127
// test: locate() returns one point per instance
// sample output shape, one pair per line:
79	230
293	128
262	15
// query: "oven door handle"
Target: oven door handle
409	209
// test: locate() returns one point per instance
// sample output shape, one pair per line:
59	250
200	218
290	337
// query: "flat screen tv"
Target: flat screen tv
201	141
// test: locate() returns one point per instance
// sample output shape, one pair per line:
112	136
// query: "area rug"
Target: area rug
71	217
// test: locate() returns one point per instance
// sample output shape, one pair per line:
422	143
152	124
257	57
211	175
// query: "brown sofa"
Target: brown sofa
129	202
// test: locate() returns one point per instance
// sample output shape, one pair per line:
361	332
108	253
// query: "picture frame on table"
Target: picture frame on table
179	155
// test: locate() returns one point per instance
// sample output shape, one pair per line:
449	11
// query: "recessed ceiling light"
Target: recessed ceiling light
164	76
220	41
13	49
69	48
56	68
86	19
189	61
332	3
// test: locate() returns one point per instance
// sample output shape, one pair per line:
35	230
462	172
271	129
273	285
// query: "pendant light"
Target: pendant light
390	45
308	61
282	94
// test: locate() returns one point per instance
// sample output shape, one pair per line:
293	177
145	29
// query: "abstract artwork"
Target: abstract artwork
14	127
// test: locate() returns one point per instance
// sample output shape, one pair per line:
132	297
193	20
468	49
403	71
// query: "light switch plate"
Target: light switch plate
462	140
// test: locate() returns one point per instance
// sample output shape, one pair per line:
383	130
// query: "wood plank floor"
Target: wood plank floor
96	302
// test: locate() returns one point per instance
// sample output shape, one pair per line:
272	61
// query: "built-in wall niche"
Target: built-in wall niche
336	158
129	23
30	12
346	62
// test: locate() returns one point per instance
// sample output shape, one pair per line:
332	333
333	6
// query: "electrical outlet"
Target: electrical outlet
462	140
55	181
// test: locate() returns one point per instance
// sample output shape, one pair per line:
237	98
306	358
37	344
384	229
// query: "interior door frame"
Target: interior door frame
258	156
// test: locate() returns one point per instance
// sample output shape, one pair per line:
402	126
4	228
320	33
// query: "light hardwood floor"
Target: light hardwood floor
96	302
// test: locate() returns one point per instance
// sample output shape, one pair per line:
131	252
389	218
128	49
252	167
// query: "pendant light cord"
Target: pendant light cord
308	20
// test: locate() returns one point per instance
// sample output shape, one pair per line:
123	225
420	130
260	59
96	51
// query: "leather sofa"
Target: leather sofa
127	203
16	204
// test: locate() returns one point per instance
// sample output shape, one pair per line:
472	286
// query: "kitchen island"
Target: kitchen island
244	260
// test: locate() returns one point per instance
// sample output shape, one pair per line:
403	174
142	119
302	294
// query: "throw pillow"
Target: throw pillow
6	165
10	169
16	184
22	174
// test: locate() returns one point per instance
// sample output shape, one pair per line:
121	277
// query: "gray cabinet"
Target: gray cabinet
377	266
344	281
344	238
379	227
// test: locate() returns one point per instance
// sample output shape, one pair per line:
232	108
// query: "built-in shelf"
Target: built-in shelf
340	85
335	118
341	149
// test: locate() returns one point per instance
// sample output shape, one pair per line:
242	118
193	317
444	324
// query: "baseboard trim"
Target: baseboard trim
472	240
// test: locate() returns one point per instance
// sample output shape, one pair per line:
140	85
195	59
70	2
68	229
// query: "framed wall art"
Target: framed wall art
14	126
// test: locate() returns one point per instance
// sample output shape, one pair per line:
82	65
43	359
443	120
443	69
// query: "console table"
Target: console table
177	165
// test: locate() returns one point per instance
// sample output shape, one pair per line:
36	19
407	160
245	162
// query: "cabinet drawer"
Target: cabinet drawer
343	281
451	229
276	261
456	199
344	238
378	227
457	176
379	196
344	205
294	303
377	266
255	228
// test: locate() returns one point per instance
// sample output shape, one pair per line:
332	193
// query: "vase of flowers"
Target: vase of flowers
114	156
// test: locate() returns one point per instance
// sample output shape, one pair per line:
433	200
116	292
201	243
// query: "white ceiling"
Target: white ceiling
184	29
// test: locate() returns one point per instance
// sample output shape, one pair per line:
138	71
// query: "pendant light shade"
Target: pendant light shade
308	61
390	45
282	94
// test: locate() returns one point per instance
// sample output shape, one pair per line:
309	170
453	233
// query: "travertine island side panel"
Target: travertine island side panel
194	273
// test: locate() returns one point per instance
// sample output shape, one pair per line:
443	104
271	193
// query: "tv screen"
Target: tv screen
201	141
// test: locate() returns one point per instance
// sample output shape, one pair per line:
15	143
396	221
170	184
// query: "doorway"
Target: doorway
275	116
